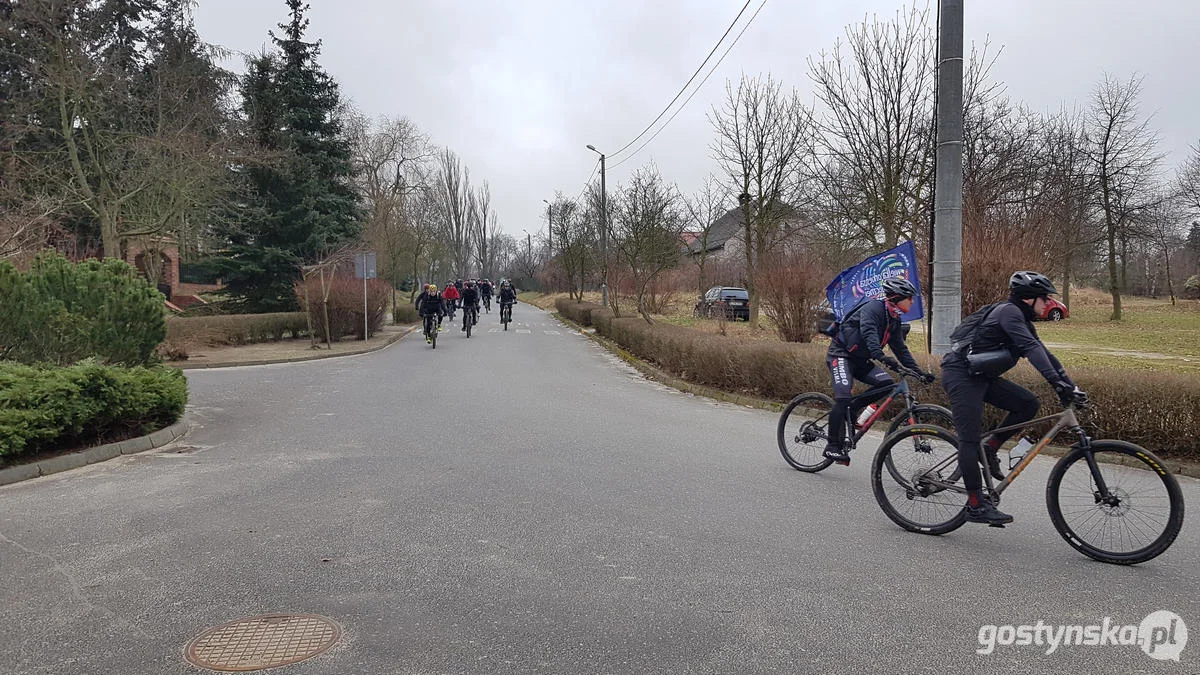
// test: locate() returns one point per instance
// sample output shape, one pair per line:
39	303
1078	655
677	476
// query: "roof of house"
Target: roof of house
722	230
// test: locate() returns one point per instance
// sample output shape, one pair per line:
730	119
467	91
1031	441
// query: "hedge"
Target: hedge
1158	410
406	313
45	408
235	329
579	312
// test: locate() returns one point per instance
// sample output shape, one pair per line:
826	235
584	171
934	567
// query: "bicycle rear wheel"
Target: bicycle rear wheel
804	430
470	321
924	413
1134	517
901	475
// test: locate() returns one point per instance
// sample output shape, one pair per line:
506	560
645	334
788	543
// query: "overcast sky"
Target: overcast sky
518	88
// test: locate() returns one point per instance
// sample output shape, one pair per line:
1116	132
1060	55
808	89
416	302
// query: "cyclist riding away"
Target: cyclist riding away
470	300
485	291
857	345
971	377
429	304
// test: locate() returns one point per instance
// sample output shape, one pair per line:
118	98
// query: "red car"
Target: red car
1055	311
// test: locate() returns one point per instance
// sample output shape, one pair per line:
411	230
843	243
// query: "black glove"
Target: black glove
890	363
1066	392
928	378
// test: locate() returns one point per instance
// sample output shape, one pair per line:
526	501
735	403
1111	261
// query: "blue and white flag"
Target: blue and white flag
862	281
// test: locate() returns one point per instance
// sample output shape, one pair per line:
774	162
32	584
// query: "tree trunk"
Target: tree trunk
1167	265
1113	273
1066	293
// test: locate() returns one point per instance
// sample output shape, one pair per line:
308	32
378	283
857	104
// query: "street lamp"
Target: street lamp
603	226
550	228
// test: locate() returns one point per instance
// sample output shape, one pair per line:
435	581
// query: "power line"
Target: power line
690	79
698	88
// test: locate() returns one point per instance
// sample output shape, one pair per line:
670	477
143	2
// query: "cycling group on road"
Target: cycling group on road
461	295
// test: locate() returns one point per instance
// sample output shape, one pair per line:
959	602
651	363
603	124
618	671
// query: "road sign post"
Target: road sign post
364	268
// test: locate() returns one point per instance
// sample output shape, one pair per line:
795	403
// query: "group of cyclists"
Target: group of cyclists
1004	329
466	296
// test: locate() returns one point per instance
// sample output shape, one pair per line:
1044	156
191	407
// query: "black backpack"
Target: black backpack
963	335
829	325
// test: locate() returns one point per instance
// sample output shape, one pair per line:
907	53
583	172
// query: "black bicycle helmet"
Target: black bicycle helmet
898	287
1026	285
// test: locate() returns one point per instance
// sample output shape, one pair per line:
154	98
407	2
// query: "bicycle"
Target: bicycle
1098	484
487	304
431	329
469	316
506	314
812	434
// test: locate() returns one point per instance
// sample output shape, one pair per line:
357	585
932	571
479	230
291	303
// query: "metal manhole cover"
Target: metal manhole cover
260	642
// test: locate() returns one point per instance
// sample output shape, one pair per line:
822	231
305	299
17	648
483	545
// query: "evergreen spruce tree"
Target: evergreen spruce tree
299	202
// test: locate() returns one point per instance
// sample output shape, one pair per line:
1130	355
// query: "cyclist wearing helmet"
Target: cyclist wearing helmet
1006	327
470	298
857	345
452	295
430	302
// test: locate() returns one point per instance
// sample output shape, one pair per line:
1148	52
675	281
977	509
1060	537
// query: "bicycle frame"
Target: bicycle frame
900	388
1063	420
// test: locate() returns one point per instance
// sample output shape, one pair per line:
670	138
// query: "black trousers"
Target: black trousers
844	372
967	395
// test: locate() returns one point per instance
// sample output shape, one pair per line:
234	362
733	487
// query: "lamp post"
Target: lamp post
603	227
550	228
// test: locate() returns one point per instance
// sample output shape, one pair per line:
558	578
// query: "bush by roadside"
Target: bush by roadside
1160	411
59	312
43	408
406	313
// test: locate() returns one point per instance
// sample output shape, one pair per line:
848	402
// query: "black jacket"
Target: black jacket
470	296
430	304
485	289
1010	326
508	295
867	331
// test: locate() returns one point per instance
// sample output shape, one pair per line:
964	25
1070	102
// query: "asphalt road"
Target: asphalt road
523	502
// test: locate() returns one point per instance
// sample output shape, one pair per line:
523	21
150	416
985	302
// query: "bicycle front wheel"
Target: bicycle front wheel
905	474
1115	502
803	432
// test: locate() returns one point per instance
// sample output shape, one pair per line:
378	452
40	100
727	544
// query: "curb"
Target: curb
100	453
296	359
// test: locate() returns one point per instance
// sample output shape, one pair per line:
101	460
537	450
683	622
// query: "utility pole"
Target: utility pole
603	227
948	178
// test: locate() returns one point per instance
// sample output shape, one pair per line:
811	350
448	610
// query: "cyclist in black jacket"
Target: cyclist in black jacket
470	298
1008	327
860	339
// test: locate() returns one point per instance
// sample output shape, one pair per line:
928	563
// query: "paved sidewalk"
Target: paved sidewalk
289	350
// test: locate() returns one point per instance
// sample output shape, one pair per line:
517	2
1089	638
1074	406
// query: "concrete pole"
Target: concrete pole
948	177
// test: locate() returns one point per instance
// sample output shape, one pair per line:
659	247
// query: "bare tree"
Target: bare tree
876	133
647	221
1123	153
703	209
454	192
573	242
484	230
1189	180
763	139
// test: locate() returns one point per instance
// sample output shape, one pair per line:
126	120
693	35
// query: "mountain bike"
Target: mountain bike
469	316
1111	500
803	427
431	329
487	304
506	314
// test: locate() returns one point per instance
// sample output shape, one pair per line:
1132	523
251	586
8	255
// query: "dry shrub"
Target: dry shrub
578	312
990	256
791	286
345	305
1160	411
193	332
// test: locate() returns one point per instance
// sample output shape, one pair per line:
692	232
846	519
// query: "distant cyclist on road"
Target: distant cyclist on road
451	294
1007	331
508	297
470	299
858	343
430	303
486	292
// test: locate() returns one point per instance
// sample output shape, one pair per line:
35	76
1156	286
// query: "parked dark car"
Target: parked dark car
736	302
